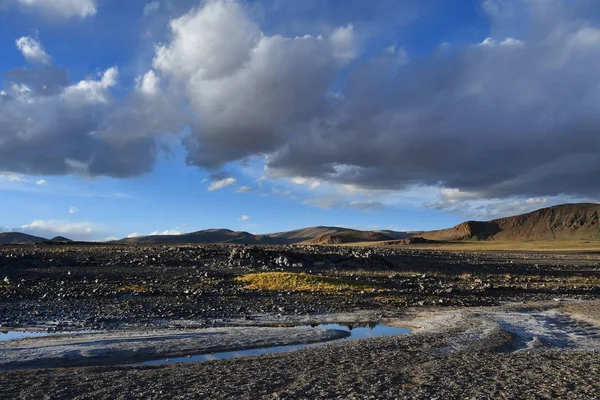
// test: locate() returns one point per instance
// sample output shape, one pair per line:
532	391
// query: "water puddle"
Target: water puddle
5	336
355	334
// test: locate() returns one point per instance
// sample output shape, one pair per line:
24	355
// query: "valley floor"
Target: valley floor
490	325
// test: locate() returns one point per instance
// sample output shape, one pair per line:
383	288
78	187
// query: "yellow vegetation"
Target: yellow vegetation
132	288
301	282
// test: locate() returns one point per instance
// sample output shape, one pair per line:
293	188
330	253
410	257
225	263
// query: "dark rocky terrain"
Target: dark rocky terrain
103	286
470	353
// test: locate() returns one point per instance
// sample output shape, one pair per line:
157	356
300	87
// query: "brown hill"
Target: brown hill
304	234
61	239
326	233
19	238
562	222
349	236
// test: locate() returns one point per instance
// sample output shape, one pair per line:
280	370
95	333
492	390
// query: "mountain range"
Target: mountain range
315	235
563	222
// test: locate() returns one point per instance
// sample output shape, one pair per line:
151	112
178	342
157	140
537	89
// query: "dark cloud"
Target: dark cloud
51	126
508	117
514	115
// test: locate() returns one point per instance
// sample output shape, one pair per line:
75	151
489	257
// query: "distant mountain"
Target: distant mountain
19	238
399	235
304	234
60	239
562	222
349	236
338	235
205	236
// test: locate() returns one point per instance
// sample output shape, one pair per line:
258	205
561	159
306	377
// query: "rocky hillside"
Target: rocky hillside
314	235
563	222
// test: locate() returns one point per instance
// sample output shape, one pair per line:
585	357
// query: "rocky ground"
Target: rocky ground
491	327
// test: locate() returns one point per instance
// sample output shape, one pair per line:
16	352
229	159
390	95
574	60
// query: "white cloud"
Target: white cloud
244	218
165	232
62	8
220	184
73	230
311	183
283	193
12	177
41	182
73	210
247	88
149	83
328	203
489	42
344	43
151	8
244	189
32	50
93	91
477	208
134	235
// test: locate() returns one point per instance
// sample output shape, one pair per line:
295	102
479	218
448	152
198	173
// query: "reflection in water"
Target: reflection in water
13	335
357	331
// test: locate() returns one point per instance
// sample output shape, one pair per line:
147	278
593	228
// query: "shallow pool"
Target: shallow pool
355	334
13	335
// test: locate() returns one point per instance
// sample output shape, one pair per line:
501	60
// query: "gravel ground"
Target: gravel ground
473	344
457	354
381	368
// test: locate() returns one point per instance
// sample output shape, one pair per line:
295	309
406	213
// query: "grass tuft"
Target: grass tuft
280	281
132	288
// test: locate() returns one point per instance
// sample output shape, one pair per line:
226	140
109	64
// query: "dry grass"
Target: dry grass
286	281
546	245
132	288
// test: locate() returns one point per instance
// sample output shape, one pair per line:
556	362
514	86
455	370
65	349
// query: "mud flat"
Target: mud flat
487	325
514	351
129	347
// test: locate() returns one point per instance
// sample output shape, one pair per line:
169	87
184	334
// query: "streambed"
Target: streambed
37	350
355	334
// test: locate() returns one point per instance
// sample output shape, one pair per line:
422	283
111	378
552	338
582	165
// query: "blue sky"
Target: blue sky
126	118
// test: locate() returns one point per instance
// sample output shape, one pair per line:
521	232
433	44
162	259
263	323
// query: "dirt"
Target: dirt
509	325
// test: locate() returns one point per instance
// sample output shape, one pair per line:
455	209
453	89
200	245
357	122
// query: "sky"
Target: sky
128	118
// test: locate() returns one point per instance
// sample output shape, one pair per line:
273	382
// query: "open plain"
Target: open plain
485	324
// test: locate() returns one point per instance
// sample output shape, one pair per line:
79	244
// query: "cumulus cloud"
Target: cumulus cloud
165	232
32	50
61	8
510	117
244	218
248	90
12	177
41	182
328	203
221	183
50	126
51	228
244	189
73	210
